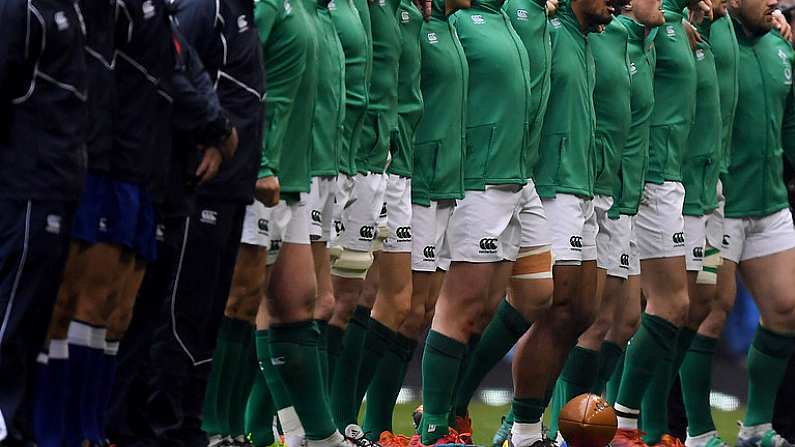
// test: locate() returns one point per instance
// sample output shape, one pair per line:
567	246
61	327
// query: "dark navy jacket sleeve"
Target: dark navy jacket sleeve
196	106
12	48
202	26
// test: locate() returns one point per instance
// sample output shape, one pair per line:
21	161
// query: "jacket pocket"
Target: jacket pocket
478	143
659	148
553	149
425	155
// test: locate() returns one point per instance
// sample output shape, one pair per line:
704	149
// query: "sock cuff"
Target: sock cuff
704	344
404	347
513	320
361	316
661	330
262	341
322	326
58	350
685	338
334	338
528	411
611	347
445	345
112	347
304	333
379	337
577	371
235	330
772	343
86	335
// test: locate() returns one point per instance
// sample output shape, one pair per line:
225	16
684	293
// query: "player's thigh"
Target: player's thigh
771	281
248	280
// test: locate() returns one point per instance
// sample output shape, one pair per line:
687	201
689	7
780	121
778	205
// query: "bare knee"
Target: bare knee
324	305
531	297
415	322
119	322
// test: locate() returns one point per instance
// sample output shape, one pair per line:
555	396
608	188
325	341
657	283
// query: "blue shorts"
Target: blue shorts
119	213
91	220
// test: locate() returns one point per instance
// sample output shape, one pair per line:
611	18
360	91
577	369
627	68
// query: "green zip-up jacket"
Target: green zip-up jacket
355	45
381	118
635	156
701	163
409	94
567	140
289	43
611	98
329	122
727	53
764	127
529	20
439	142
675	94
498	106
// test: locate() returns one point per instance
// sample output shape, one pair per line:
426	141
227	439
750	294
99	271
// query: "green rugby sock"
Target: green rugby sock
259	413
615	380
502	332
334	336
654	409
231	345
322	350
577	377
279	394
343	385
441	361
294	354
609	354
379	338
385	387
474	340
527	411
696	376
242	376
767	364
654	341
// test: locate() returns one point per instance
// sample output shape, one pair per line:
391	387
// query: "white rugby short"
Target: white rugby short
359	200
532	219
397	201
485	226
754	237
660	227
573	228
321	207
287	222
695	240
429	225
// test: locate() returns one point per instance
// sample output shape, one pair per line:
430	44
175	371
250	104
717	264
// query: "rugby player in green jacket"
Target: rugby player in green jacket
758	232
612	96
660	226
483	231
364	228
696	370
641	19
287	32
506	318
350	250
387	359
327	143
562	180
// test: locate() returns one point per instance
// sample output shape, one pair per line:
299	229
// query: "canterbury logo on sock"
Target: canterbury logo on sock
278	361
431	428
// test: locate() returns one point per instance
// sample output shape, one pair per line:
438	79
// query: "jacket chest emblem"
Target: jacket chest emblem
61	21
